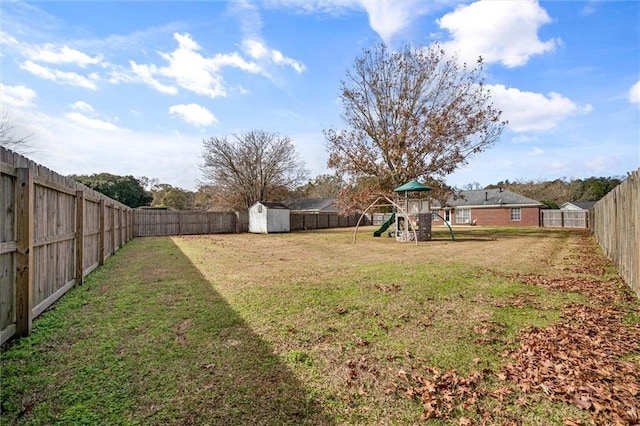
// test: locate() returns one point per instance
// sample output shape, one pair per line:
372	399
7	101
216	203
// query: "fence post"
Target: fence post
121	232
79	237
101	233
587	219
24	250
112	220
134	231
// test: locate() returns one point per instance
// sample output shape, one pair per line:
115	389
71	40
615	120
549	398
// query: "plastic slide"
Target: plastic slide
385	225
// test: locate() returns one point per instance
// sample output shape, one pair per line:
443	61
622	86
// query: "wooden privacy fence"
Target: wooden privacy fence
564	219
615	224
149	222
53	232
301	221
379	218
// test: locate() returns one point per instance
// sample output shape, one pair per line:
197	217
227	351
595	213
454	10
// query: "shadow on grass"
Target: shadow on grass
147	340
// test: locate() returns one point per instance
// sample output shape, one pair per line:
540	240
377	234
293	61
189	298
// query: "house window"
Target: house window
516	214
259	208
463	215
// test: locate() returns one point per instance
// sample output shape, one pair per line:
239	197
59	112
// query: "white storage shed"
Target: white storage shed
267	217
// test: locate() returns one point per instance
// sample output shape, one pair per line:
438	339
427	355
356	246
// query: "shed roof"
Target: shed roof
273	205
312	204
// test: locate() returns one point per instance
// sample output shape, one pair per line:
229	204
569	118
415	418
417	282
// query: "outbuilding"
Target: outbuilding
268	217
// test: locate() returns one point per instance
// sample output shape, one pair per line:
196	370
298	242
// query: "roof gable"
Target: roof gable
584	205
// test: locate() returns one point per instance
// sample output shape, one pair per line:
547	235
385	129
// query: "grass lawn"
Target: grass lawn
309	328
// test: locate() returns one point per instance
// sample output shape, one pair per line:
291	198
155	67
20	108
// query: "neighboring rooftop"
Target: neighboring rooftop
312	205
490	197
584	205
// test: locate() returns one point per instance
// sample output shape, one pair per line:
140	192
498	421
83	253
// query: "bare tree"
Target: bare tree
9	139
251	166
322	186
411	114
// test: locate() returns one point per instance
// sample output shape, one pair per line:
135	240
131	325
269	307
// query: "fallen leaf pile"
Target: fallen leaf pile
590	359
518	301
391	288
441	394
594	289
584	262
361	371
582	362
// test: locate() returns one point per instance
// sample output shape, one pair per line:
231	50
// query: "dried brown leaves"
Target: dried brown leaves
442	393
590	359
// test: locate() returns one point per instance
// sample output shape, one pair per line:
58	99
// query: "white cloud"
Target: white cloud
257	50
191	70
253	44
70	146
92	123
590	8
524	139
62	77
82	106
331	7
529	111
535	151
194	114
634	93
62	55
17	96
601	163
145	74
388	17
499	31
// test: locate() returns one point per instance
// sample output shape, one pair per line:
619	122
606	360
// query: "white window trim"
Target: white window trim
513	210
466	216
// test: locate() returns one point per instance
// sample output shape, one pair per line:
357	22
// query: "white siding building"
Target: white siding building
266	218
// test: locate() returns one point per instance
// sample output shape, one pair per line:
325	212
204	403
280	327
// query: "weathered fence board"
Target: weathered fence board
51	236
564	219
149	222
379	218
616	226
7	252
302	221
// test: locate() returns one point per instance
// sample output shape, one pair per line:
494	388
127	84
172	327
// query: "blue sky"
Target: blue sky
133	88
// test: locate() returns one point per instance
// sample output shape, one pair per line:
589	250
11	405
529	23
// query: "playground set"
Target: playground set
411	216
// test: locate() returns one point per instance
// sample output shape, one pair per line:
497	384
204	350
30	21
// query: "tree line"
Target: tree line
553	193
143	191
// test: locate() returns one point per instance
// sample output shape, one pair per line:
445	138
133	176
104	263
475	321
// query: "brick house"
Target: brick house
489	207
